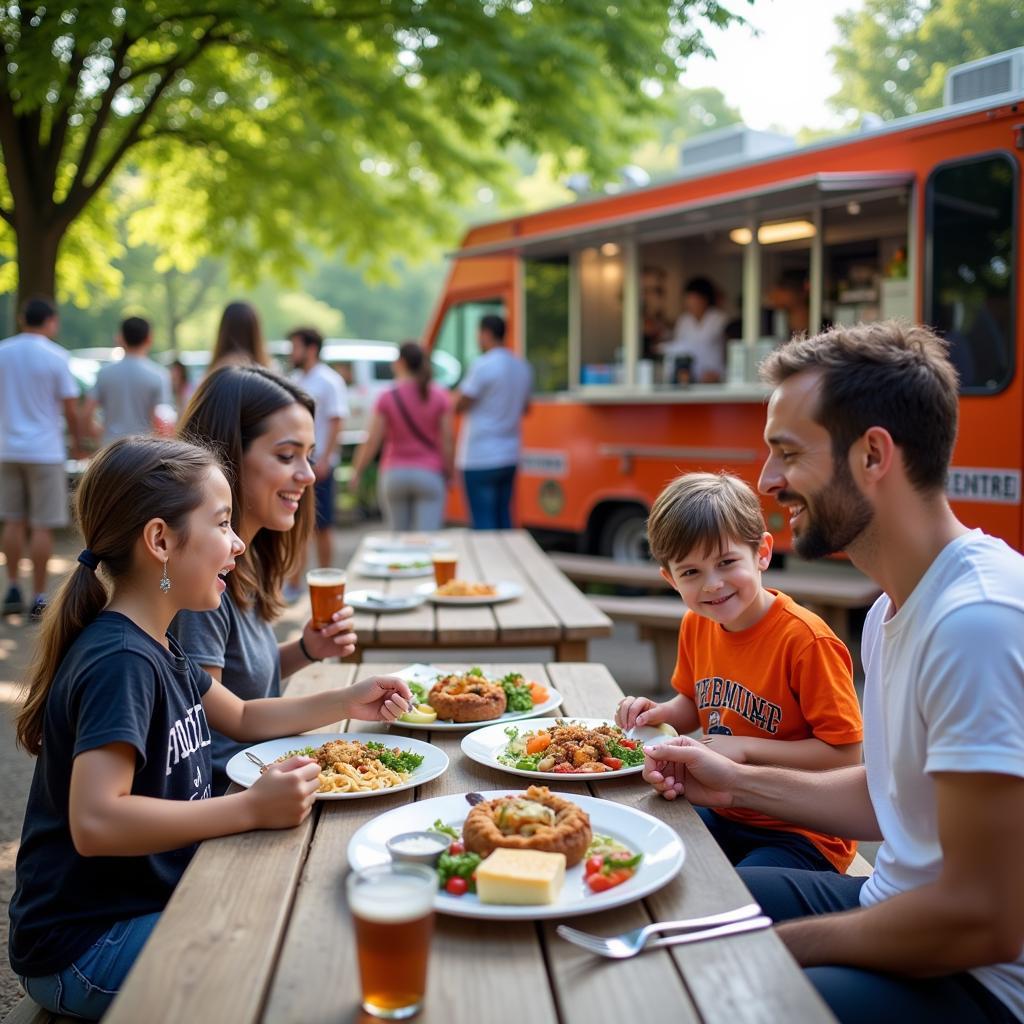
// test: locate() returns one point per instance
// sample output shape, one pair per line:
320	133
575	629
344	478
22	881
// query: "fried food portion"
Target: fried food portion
538	820
463	588
467	698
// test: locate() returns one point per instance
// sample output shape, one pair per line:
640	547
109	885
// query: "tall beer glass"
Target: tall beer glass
392	906
326	594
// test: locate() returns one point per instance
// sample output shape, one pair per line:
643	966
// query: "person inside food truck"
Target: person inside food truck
699	334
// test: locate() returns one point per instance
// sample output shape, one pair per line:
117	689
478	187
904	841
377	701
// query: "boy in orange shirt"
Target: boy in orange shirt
766	681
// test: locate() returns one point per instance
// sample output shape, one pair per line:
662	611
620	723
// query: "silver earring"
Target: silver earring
165	581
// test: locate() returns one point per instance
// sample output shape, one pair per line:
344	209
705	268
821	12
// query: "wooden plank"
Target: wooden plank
579	618
211	931
527	619
745	978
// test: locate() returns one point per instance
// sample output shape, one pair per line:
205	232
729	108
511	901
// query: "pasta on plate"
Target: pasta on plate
350	766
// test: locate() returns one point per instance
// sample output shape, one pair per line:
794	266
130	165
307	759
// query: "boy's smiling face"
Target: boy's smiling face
724	585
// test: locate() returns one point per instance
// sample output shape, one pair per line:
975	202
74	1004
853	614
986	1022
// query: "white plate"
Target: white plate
484	746
507	591
643	833
382	572
409	544
435	761
426	676
361	600
387	558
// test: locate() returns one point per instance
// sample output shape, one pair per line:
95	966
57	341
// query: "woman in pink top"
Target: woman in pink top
413	422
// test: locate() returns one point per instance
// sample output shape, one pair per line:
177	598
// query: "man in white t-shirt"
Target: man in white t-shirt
495	395
329	392
37	395
860	428
699	336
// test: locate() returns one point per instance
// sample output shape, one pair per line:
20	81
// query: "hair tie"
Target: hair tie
88	559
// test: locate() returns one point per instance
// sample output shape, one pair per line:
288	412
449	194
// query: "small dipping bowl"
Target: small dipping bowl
417	847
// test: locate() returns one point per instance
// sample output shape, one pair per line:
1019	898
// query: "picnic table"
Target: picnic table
552	611
258	929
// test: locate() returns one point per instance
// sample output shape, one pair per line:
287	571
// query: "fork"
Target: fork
632	942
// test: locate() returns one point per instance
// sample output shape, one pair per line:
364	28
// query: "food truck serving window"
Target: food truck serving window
972	253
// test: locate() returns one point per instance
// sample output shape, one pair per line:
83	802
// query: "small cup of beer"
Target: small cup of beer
392	906
444	566
326	594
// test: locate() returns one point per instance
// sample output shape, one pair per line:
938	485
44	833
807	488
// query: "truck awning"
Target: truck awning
693	215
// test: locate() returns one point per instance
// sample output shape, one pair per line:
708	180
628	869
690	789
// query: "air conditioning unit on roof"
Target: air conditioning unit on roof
1002	74
733	144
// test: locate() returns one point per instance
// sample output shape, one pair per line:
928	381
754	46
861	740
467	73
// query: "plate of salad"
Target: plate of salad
631	854
524	698
569	749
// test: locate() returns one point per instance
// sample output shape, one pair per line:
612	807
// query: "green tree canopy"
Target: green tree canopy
260	129
894	54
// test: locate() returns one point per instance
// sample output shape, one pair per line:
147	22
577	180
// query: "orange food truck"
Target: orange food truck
919	218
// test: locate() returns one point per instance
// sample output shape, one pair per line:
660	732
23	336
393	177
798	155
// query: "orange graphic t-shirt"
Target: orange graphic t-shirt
789	677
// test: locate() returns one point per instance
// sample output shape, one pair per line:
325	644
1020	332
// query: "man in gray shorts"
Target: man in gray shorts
36	386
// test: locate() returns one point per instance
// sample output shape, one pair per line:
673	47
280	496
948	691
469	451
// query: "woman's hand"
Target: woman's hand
283	795
338	640
682	766
380	699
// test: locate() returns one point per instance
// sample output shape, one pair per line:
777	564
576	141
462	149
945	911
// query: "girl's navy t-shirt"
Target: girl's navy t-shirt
115	685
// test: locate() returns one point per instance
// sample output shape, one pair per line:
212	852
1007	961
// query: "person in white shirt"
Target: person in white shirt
329	392
495	395
860	431
699	336
37	395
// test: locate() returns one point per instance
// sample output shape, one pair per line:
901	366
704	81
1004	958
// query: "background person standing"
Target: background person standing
130	391
328	391
36	386
496	395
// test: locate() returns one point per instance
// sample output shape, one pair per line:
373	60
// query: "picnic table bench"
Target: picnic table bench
832	591
552	611
258	929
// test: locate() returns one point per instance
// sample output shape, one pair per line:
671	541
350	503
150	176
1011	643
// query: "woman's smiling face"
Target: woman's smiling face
275	471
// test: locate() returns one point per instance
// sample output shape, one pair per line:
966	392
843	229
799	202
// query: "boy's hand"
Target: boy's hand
728	746
636	712
380	699
682	766
283	795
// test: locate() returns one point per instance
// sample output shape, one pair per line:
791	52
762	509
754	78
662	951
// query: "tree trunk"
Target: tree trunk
37	262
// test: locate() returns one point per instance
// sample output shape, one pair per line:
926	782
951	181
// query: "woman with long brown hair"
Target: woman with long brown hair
239	338
120	721
413	423
262	426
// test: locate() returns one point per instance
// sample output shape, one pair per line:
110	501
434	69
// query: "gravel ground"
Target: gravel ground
630	661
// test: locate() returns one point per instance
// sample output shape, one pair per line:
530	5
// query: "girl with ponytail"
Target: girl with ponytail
120	722
413	423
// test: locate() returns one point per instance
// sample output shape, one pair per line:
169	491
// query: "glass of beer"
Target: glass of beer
392	906
444	566
326	594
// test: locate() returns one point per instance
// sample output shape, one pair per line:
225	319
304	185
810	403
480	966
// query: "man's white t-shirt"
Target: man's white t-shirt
329	391
704	339
35	378
499	384
943	692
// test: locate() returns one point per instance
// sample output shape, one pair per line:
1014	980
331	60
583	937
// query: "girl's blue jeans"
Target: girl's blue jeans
87	987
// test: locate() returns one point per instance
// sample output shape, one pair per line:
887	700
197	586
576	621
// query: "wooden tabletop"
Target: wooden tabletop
258	930
552	611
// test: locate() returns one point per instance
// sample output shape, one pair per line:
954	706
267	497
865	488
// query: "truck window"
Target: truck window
969	295
457	336
546	335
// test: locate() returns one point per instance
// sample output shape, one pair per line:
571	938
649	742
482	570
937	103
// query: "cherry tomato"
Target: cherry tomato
565	768
618	876
630	744
615	763
599	882
456	848
456	886
594	864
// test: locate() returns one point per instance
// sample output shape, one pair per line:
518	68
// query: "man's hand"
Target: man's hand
682	766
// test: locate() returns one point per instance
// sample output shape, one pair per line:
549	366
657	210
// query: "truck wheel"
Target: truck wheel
624	535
